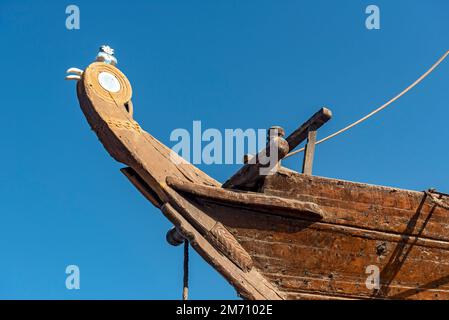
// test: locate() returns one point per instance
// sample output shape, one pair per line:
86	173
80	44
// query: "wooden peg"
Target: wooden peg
309	152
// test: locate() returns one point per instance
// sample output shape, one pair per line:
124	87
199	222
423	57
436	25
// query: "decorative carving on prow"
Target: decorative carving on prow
226	243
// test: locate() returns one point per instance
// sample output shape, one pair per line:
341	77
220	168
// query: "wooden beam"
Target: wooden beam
269	204
213	230
315	122
250	285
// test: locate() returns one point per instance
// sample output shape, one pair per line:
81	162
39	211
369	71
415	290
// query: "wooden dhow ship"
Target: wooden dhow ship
285	235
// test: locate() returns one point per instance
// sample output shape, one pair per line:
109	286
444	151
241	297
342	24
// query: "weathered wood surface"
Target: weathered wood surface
274	256
309	153
123	138
150	163
249	285
365	206
258	201
212	230
400	231
327	259
249	177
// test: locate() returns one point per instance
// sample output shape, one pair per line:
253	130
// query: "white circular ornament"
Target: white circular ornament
109	82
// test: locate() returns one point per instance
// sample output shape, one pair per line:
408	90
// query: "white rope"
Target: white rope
414	84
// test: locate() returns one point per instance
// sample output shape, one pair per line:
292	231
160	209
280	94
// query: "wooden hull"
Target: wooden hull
296	236
402	233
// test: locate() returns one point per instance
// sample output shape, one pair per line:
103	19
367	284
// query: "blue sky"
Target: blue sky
230	64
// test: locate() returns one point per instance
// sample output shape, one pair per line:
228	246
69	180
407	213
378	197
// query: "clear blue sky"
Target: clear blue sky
230	64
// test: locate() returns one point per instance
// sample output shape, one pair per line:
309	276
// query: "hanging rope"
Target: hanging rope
414	84
185	289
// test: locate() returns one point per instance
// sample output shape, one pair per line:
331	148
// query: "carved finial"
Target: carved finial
106	55
275	131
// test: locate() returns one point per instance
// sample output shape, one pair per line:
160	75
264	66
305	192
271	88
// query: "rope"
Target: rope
185	290
414	84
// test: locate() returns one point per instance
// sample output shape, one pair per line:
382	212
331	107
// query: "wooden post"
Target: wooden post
309	152
273	133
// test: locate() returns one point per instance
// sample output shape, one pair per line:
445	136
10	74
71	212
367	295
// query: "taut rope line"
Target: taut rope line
414	84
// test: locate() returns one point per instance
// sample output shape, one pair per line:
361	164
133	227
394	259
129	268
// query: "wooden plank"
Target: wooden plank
345	289
308	260
427	221
213	230
365	206
296	248
291	181
309	296
270	204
